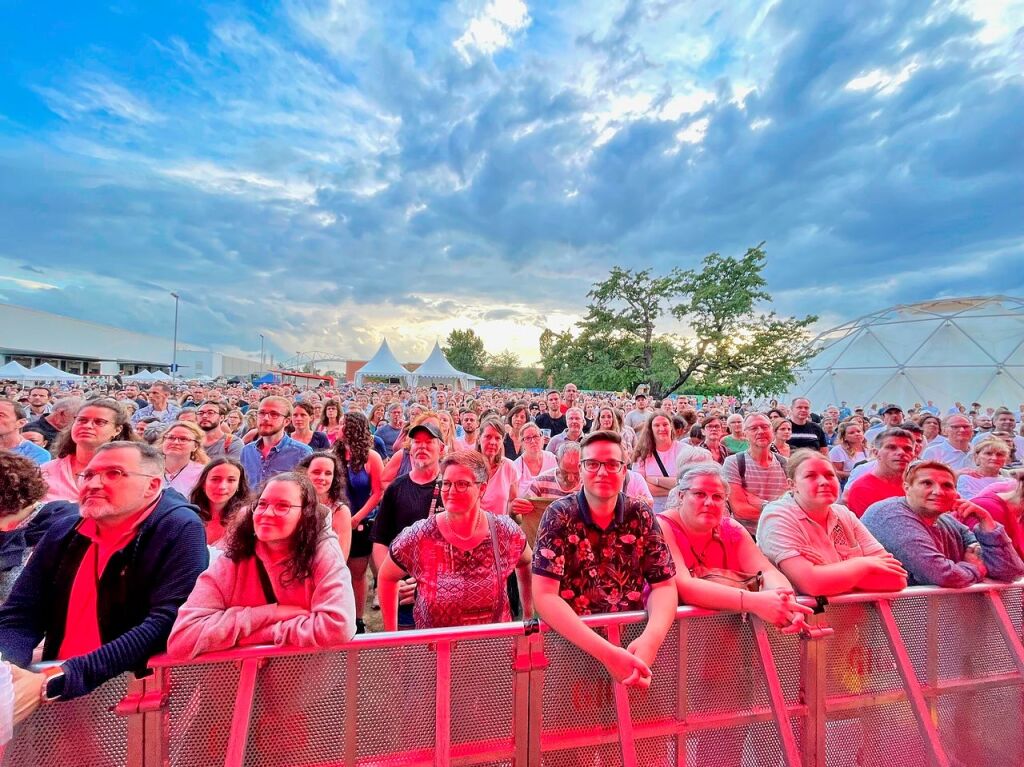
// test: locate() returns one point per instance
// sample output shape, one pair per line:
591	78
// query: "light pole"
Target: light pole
174	353
261	354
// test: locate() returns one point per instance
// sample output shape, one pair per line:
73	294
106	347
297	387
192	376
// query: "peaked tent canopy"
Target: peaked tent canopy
142	375
947	350
47	372
14	371
437	369
384	365
161	376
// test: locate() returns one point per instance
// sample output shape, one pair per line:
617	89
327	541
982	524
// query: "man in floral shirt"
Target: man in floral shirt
596	550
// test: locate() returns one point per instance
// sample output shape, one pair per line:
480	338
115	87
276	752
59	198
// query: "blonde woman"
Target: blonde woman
184	457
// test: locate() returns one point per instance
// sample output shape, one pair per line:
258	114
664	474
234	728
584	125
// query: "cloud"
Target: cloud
326	172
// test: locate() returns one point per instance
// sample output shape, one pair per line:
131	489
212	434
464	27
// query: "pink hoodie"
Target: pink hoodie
227	607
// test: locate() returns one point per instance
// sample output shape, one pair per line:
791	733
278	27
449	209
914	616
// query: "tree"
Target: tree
465	351
731	345
502	369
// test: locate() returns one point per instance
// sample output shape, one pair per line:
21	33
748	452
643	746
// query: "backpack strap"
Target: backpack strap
741	464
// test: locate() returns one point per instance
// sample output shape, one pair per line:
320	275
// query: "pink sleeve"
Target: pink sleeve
207	622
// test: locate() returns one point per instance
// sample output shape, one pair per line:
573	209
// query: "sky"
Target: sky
329	172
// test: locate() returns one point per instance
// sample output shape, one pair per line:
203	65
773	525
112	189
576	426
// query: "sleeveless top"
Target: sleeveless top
720	551
359	488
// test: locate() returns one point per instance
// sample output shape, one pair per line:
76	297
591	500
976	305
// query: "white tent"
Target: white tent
14	371
383	365
141	377
947	350
47	372
437	369
161	376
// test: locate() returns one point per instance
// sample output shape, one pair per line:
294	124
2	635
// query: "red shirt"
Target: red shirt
870	489
82	626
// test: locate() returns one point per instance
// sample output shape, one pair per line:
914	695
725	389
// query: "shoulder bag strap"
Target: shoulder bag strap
499	602
741	464
434	497
268	588
657	458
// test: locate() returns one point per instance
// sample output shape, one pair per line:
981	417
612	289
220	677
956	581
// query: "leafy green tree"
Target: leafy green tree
730	343
502	369
465	351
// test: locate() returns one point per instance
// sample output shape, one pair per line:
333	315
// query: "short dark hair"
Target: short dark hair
604	435
891	433
221	407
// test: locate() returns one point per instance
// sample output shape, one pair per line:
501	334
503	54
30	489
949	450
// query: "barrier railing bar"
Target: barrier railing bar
238	738
682	700
622	713
136	735
538	665
813	690
157	719
1013	643
443	705
787	740
352	702
521	702
932	644
918	704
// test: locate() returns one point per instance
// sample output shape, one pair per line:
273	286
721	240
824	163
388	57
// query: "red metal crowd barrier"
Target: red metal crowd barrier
924	677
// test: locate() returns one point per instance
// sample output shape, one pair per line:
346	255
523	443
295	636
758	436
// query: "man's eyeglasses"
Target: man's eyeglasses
276	509
270	414
593	466
108	476
460	485
207	412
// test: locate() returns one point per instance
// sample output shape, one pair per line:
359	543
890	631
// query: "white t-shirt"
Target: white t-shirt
838	454
495	497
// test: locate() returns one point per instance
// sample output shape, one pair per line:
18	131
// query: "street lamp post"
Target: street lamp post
174	352
261	354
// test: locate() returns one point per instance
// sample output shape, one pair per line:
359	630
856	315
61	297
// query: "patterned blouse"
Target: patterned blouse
455	587
601	571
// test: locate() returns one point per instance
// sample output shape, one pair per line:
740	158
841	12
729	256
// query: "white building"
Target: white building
89	348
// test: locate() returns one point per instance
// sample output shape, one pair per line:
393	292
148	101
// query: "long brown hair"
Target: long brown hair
645	438
241	540
357	438
66	444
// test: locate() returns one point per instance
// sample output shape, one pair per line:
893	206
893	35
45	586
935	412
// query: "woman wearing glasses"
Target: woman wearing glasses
98	422
184	457
282	580
461	558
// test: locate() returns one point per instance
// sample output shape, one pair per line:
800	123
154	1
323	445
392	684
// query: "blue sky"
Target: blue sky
329	171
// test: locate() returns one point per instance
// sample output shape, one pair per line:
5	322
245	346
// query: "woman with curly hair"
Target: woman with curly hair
220	492
98	421
325	472
282	580
21	493
362	470
184	456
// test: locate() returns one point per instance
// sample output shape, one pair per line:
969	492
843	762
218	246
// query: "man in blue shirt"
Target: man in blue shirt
13	416
273	452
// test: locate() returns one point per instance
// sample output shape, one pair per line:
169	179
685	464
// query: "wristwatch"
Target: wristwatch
53	684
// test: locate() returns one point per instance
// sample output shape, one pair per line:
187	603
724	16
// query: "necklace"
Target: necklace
168	478
453	537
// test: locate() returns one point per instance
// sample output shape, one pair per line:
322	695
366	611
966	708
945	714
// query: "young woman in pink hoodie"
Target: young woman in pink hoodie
282	580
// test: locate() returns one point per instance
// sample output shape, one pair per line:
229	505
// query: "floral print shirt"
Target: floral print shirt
601	571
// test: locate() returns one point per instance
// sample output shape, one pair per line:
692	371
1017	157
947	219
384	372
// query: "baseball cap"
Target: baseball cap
891	406
429	428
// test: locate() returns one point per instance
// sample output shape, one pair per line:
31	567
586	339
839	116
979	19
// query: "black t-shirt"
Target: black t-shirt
808	435
545	421
44	427
404	503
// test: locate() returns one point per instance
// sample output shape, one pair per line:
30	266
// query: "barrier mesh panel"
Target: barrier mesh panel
753	745
606	755
881	736
786	652
482	692
299	711
912	617
971	644
857	657
1012	600
397	693
658	702
654	752
83	731
202	700
982	729
577	689
723	669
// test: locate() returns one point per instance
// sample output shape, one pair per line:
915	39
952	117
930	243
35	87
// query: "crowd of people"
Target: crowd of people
197	518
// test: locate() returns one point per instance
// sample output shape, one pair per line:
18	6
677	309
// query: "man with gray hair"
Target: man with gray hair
13	416
60	416
756	475
575	420
160	405
104	585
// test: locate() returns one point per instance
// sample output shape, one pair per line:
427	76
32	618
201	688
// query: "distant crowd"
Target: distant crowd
194	518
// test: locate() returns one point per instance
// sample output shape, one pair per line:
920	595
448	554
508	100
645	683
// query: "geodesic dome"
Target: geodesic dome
948	350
